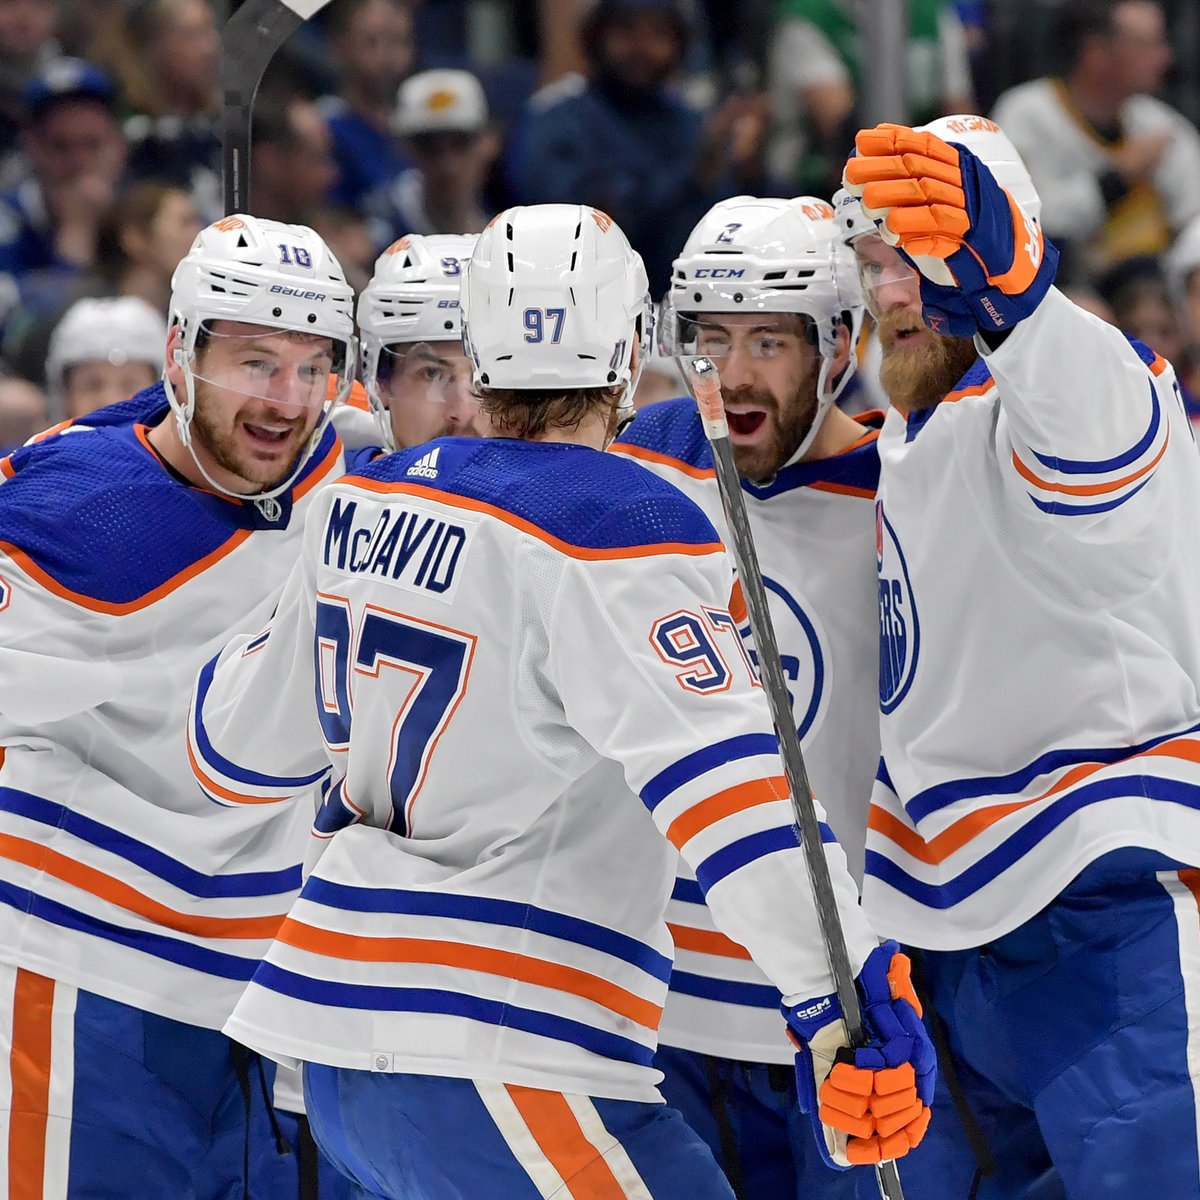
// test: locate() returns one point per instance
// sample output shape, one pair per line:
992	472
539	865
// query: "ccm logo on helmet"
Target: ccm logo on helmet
297	292
720	272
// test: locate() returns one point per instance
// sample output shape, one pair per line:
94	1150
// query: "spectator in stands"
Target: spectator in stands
103	352
22	411
27	43
1117	170
164	56
292	155
76	153
443	118
814	72
347	232
145	233
372	46
622	141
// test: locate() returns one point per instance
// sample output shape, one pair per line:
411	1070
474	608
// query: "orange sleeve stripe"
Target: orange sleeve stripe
211	785
586	553
6	467
114	891
725	804
664	460
976	389
122	608
1091	489
956	836
555	1129
1159	365
506	964
29	1063
843	489
1190	878
706	941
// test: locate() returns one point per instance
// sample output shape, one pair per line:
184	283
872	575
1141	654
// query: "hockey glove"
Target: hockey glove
983	261
871	1103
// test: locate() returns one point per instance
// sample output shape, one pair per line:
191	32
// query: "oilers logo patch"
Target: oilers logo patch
803	653
899	626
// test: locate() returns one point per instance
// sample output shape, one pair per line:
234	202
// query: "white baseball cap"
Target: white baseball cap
442	101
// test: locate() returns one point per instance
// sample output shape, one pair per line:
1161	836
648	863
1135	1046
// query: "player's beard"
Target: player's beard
786	425
917	376
221	438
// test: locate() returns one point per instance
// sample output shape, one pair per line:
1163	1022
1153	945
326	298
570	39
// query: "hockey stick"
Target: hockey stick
249	41
705	385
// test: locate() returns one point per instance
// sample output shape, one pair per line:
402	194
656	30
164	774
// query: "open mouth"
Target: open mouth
267	436
745	424
906	335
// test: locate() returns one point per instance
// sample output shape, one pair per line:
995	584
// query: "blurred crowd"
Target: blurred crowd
384	117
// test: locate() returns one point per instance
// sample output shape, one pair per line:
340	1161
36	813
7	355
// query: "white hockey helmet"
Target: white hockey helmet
555	298
769	255
121	329
988	142
259	272
412	297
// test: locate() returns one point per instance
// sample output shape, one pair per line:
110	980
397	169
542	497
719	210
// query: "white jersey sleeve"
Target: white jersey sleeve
1088	418
682	712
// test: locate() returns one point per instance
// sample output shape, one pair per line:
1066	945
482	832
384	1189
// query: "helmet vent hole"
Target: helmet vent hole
697	297
277	312
242	243
510	261
574	256
312	318
774	275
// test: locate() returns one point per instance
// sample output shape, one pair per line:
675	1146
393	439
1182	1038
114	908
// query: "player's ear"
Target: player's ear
174	357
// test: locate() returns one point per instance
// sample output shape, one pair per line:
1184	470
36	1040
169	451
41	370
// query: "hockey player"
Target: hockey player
507	658
1035	824
764	288
133	909
414	369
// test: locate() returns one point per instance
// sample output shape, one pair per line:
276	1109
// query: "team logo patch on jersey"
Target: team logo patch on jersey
5	593
426	467
803	655
899	628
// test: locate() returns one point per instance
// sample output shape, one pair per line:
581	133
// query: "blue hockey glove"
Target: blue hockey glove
984	262
872	1103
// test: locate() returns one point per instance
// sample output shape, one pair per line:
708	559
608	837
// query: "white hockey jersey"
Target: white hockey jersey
117	582
513	660
814	531
1040	666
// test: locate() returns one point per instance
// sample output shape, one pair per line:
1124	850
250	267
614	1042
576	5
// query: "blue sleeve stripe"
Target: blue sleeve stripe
1000	858
687	890
490	911
185	954
1056	508
882	775
692	766
378	998
745	850
1072	466
243	885
727	991
945	794
223	765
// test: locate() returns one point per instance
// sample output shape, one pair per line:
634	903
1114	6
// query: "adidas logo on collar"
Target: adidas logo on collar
427	465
